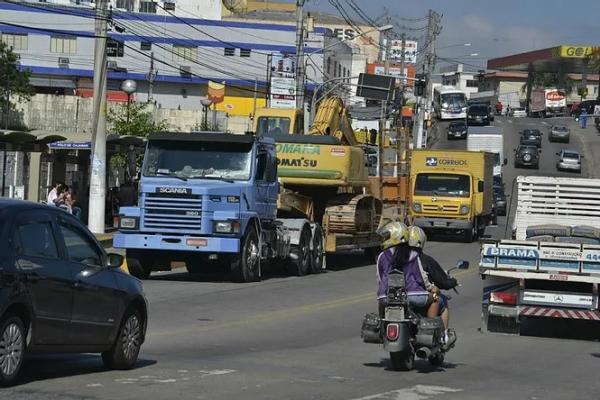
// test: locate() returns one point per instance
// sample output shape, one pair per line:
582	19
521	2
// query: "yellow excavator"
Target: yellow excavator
323	174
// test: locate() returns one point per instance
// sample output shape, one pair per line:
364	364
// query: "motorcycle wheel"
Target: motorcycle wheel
437	360
402	360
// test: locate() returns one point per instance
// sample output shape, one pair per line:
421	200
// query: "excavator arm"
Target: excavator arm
332	119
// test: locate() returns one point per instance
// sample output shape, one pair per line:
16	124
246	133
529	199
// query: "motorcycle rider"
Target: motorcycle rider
416	241
397	254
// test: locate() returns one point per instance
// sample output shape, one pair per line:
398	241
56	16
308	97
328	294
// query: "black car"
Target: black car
499	200
457	130
527	156
531	137
60	291
478	114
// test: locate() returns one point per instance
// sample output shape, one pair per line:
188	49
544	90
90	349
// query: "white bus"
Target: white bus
449	103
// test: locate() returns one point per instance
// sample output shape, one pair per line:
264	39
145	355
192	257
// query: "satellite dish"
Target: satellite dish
236	6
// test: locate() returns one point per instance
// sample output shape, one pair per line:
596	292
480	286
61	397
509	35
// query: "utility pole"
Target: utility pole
6	123
401	134
300	54
151	77
97	203
432	31
382	119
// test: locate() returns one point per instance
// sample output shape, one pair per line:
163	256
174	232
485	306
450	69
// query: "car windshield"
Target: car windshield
478	110
458	125
442	185
527	149
273	126
570	154
561	128
190	159
453	100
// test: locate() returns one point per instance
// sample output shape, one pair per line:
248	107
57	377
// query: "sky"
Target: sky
494	28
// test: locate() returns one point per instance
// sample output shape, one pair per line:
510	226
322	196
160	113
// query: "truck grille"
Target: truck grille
440	208
172	212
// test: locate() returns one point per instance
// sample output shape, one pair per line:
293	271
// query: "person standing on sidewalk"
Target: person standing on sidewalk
583	118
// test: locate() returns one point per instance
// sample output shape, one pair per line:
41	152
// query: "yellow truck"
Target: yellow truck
451	191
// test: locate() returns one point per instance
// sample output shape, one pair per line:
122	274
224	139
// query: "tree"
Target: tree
135	120
13	81
550	79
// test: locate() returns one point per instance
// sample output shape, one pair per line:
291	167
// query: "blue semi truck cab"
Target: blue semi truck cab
210	199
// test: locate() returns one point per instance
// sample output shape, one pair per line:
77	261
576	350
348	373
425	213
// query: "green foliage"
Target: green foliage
134	120
550	79
13	82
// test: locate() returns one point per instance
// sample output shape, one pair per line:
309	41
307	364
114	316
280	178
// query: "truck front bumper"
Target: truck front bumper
442	223
176	243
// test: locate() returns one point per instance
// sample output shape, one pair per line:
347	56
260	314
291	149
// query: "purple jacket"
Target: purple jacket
413	273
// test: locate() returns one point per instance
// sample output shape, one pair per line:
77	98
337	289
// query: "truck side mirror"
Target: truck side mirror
480	186
505	161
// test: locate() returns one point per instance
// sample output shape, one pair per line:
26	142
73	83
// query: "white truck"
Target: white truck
551	271
547	102
490	139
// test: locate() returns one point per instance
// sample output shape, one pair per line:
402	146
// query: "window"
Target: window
128	5
335	65
17	42
185	53
148	7
63	44
37	240
229	51
339	70
245	52
79	247
114	48
328	65
145	46
472	83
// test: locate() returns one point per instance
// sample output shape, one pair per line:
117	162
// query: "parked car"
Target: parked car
61	292
499	200
569	160
527	156
588	105
478	114
559	133
517	112
531	137
457	130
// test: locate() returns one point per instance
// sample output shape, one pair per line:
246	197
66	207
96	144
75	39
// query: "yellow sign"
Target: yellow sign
566	51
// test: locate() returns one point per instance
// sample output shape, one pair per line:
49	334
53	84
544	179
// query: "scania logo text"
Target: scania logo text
172	190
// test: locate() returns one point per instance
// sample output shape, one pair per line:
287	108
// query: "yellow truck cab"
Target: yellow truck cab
451	191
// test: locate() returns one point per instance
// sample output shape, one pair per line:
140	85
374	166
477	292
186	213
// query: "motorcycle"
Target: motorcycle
404	332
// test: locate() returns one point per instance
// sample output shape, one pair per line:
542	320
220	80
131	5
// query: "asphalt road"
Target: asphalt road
299	338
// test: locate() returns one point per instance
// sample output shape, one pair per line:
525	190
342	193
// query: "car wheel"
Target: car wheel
12	349
125	350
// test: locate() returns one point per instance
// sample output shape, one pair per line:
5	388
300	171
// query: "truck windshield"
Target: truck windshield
189	160
273	126
442	185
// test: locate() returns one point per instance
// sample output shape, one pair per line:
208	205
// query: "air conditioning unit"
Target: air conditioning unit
185	71
63	62
111	64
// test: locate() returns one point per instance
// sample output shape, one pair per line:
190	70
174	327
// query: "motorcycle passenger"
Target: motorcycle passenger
397	254
437	275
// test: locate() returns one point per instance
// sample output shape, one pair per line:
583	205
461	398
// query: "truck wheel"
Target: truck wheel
139	266
299	264
245	266
471	234
317	257
402	360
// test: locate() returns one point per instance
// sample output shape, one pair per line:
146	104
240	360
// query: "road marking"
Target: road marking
544	123
418	392
510	121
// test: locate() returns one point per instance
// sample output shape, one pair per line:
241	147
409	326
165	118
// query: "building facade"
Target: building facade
456	75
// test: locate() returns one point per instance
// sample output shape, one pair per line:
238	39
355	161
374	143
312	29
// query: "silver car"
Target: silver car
569	160
559	133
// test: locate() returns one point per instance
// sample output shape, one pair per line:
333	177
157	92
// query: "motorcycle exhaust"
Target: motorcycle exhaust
423	352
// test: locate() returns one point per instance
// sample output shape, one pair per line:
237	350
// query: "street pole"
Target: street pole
6	122
128	106
300	54
97	201
255	95
399	142
382	119
151	77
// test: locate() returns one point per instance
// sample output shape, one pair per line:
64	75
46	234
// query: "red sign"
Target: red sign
555	96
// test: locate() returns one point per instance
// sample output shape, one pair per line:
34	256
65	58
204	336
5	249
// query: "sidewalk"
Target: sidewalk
590	145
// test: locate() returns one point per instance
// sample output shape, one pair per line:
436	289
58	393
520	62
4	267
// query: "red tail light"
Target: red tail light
504	298
392	332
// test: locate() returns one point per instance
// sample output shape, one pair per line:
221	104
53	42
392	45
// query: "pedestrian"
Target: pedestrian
583	118
53	193
507	110
373	138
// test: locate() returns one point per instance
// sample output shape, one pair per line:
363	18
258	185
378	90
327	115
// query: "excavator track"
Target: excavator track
357	214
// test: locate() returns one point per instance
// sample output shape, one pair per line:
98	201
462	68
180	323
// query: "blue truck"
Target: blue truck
211	198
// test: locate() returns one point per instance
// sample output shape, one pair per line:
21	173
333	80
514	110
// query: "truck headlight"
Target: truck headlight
416	207
464	209
128	222
231	226
233	199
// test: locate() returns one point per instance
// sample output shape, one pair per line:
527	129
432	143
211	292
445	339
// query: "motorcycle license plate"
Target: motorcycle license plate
394	314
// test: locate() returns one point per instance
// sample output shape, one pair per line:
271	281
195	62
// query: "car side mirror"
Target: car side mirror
505	161
114	260
462	264
558	154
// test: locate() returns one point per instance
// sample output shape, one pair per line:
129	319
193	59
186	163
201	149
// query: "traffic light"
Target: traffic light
420	84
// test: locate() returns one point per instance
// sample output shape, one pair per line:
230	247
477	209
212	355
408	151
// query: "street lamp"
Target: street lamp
128	86
206	102
454	45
